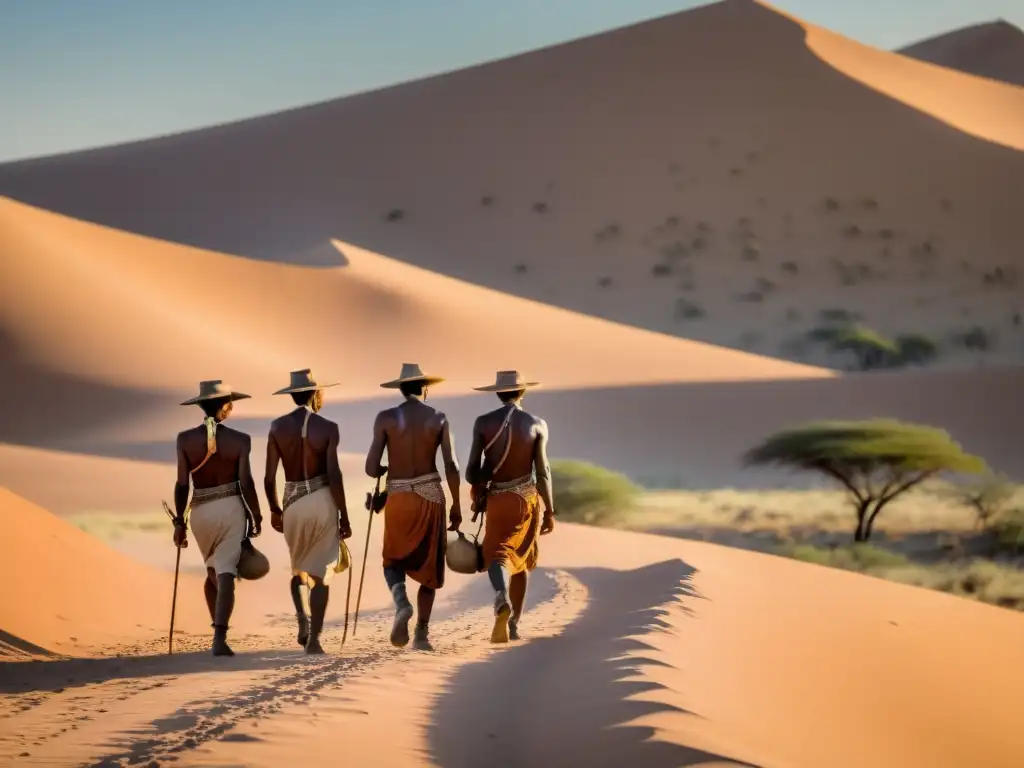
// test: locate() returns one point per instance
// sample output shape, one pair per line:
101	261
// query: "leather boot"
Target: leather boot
420	638
403	615
317	608
502	614
220	641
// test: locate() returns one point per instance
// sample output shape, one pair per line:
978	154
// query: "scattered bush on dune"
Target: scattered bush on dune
915	349
1009	530
872	350
395	214
587	493
989	498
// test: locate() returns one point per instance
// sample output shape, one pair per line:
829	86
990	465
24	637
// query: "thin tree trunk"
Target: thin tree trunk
871	520
862	509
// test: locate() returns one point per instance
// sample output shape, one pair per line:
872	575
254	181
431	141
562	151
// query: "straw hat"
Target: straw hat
508	381
411	372
215	390
303	381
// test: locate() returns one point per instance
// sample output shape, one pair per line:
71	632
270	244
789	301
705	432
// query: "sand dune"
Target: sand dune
713	142
140	323
994	49
66	593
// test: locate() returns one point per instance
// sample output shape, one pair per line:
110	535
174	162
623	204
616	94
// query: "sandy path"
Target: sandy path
253	710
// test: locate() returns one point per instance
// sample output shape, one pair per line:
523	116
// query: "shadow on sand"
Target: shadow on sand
563	701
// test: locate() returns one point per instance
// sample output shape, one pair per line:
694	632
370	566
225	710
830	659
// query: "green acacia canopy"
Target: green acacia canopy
865	446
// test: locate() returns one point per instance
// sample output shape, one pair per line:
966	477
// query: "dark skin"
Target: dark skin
528	452
412	433
284	446
229	464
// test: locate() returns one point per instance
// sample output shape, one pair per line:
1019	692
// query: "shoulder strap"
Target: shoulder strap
508	443
211	443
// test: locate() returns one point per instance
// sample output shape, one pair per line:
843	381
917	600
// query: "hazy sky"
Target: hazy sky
81	73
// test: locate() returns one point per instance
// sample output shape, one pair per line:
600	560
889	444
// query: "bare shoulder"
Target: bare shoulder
240	438
324	421
538	423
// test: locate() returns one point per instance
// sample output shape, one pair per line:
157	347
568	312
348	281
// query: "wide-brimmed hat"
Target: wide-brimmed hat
303	381
508	381
215	390
411	372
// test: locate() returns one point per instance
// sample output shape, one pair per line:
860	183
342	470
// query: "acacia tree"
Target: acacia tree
874	460
988	497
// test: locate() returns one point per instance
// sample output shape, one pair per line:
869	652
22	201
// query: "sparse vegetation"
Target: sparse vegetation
686	310
395	214
661	270
487	201
875	461
853	231
604	282
540	207
915	349
609	232
976	339
751	297
976	579
751	253
872	350
988	498
790	267
586	493
831	204
520	269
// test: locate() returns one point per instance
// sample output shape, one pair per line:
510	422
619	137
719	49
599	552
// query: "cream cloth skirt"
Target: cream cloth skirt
311	531
219	527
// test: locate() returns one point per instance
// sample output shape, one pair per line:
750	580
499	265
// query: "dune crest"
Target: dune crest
994	50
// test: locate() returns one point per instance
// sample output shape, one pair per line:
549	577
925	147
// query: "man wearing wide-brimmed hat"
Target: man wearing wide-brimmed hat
508	468
414	529
313	516
216	458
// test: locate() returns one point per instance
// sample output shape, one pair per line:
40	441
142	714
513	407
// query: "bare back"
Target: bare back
286	432
413	432
223	467
525	430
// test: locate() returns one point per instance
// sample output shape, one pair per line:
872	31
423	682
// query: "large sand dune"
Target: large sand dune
994	50
775	170
135	319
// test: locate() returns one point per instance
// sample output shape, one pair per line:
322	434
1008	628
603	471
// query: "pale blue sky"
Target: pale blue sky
82	73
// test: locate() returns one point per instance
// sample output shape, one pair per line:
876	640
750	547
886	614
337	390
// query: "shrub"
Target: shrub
838	316
686	310
540	207
751	253
520	269
790	267
915	349
661	270
989	498
831	204
395	214
1009	529
586	493
487	201
976	338
871	349
604	282
855	557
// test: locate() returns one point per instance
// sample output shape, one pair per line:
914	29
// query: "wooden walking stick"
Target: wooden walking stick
174	595
348	599
371	503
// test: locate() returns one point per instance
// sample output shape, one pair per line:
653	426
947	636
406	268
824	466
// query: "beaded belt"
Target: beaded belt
523	486
427	487
206	495
297	489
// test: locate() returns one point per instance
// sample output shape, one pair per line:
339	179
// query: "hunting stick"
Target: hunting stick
366	551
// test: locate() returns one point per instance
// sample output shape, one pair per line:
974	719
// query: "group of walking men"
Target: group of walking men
508	471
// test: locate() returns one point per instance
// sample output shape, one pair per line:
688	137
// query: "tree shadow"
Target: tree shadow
513	708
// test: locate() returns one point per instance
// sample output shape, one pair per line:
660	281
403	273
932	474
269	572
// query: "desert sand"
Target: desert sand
600	215
994	50
771	168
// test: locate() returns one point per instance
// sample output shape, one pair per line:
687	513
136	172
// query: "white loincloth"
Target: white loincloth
311	531
219	527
